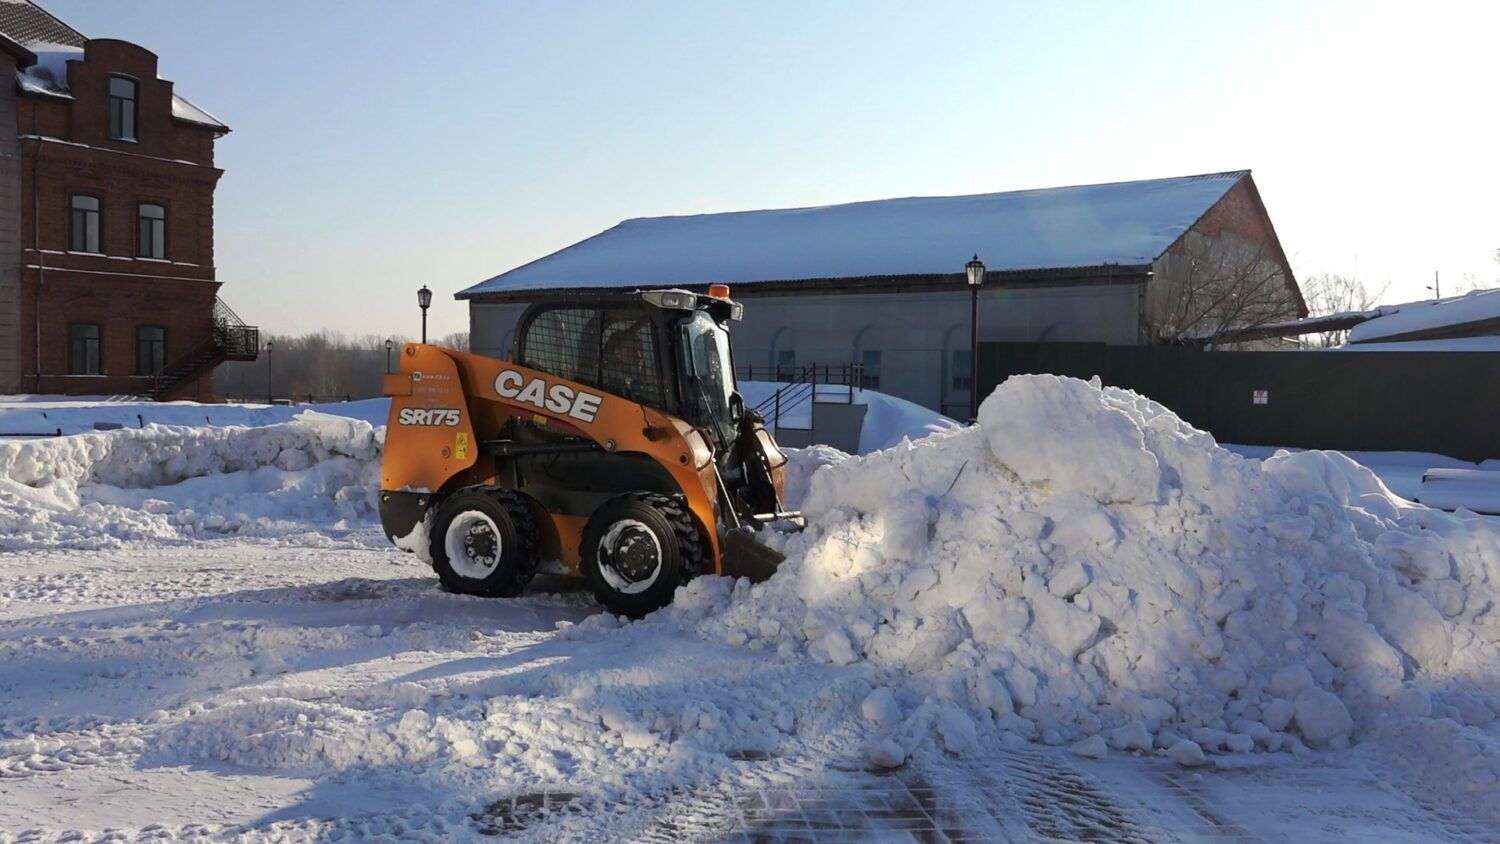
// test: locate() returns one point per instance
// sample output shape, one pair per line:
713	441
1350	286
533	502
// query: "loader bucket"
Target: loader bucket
745	556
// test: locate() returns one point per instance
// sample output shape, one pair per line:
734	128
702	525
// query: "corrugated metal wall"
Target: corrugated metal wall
1442	402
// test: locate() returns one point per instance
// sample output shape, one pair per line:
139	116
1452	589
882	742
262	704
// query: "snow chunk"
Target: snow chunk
1092	747
1066	432
1186	753
880	708
1322	718
885	753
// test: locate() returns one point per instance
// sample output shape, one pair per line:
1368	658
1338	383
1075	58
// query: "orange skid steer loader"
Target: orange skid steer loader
612	445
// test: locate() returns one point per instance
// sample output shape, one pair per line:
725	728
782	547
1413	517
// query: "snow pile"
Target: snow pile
168	482
1085	567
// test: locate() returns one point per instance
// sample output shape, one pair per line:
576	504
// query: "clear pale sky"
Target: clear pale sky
378	146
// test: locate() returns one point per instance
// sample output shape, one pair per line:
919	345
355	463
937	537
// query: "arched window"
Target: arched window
150	349
83	229
783	354
122	108
84	347
867	356
151	238
958	377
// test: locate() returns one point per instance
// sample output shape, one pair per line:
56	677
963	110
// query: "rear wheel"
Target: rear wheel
637	549
484	542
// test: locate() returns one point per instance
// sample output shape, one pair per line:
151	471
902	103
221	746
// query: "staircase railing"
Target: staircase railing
238	339
801	386
229	338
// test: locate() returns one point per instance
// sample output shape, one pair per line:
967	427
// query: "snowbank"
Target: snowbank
167	482
32	415
1083	563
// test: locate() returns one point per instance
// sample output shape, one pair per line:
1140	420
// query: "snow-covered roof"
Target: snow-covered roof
189	113
29	24
50	73
1477	306
1125	223
49	76
1452	344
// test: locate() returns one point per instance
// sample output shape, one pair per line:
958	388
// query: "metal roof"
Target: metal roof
1121	223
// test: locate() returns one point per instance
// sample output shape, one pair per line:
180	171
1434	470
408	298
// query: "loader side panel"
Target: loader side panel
429	436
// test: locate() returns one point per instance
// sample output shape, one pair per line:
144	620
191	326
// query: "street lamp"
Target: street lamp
270	347
975	272
388	345
424	298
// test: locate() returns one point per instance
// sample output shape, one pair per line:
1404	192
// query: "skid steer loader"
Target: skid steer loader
612	445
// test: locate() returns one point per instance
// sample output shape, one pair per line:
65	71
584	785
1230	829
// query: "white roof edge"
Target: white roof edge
204	118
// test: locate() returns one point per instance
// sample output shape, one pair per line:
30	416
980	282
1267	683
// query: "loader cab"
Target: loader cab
666	349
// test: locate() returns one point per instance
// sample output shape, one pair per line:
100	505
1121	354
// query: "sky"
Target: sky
380	146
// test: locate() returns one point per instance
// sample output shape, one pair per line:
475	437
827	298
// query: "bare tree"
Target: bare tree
1214	285
321	366
1331	294
457	340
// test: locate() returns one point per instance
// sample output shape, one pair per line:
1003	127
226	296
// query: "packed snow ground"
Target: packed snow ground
203	634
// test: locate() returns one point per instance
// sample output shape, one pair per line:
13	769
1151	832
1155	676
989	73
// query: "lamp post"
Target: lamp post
270	346
975	272
424	298
388	345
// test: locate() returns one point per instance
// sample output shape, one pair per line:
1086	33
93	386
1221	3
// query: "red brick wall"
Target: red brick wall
119	307
170	164
1241	212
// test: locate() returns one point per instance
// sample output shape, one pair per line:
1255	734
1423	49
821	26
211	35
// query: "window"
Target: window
150	350
786	363
85	225
614	349
83	356
151	240
121	108
869	378
961	368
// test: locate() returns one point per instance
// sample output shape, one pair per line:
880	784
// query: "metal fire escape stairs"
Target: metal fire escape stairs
229	339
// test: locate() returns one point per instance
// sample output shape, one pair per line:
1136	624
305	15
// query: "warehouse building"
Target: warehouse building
882	285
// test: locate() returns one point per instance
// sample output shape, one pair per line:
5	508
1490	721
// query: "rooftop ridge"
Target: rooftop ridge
1236	175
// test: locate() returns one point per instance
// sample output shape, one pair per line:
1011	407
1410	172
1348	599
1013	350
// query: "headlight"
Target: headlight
674	300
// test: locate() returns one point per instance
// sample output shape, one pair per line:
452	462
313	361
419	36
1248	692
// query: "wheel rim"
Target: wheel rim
473	545
630	557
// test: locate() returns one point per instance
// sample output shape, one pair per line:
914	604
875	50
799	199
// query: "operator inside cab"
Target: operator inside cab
628	369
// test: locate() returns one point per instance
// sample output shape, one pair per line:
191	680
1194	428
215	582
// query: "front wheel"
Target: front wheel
484	542
637	549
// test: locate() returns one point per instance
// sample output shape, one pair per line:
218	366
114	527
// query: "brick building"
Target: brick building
107	184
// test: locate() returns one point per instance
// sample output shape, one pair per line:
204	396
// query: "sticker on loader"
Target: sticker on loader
461	446
429	416
558	398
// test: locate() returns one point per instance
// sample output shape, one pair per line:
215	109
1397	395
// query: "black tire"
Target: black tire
501	514
677	543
